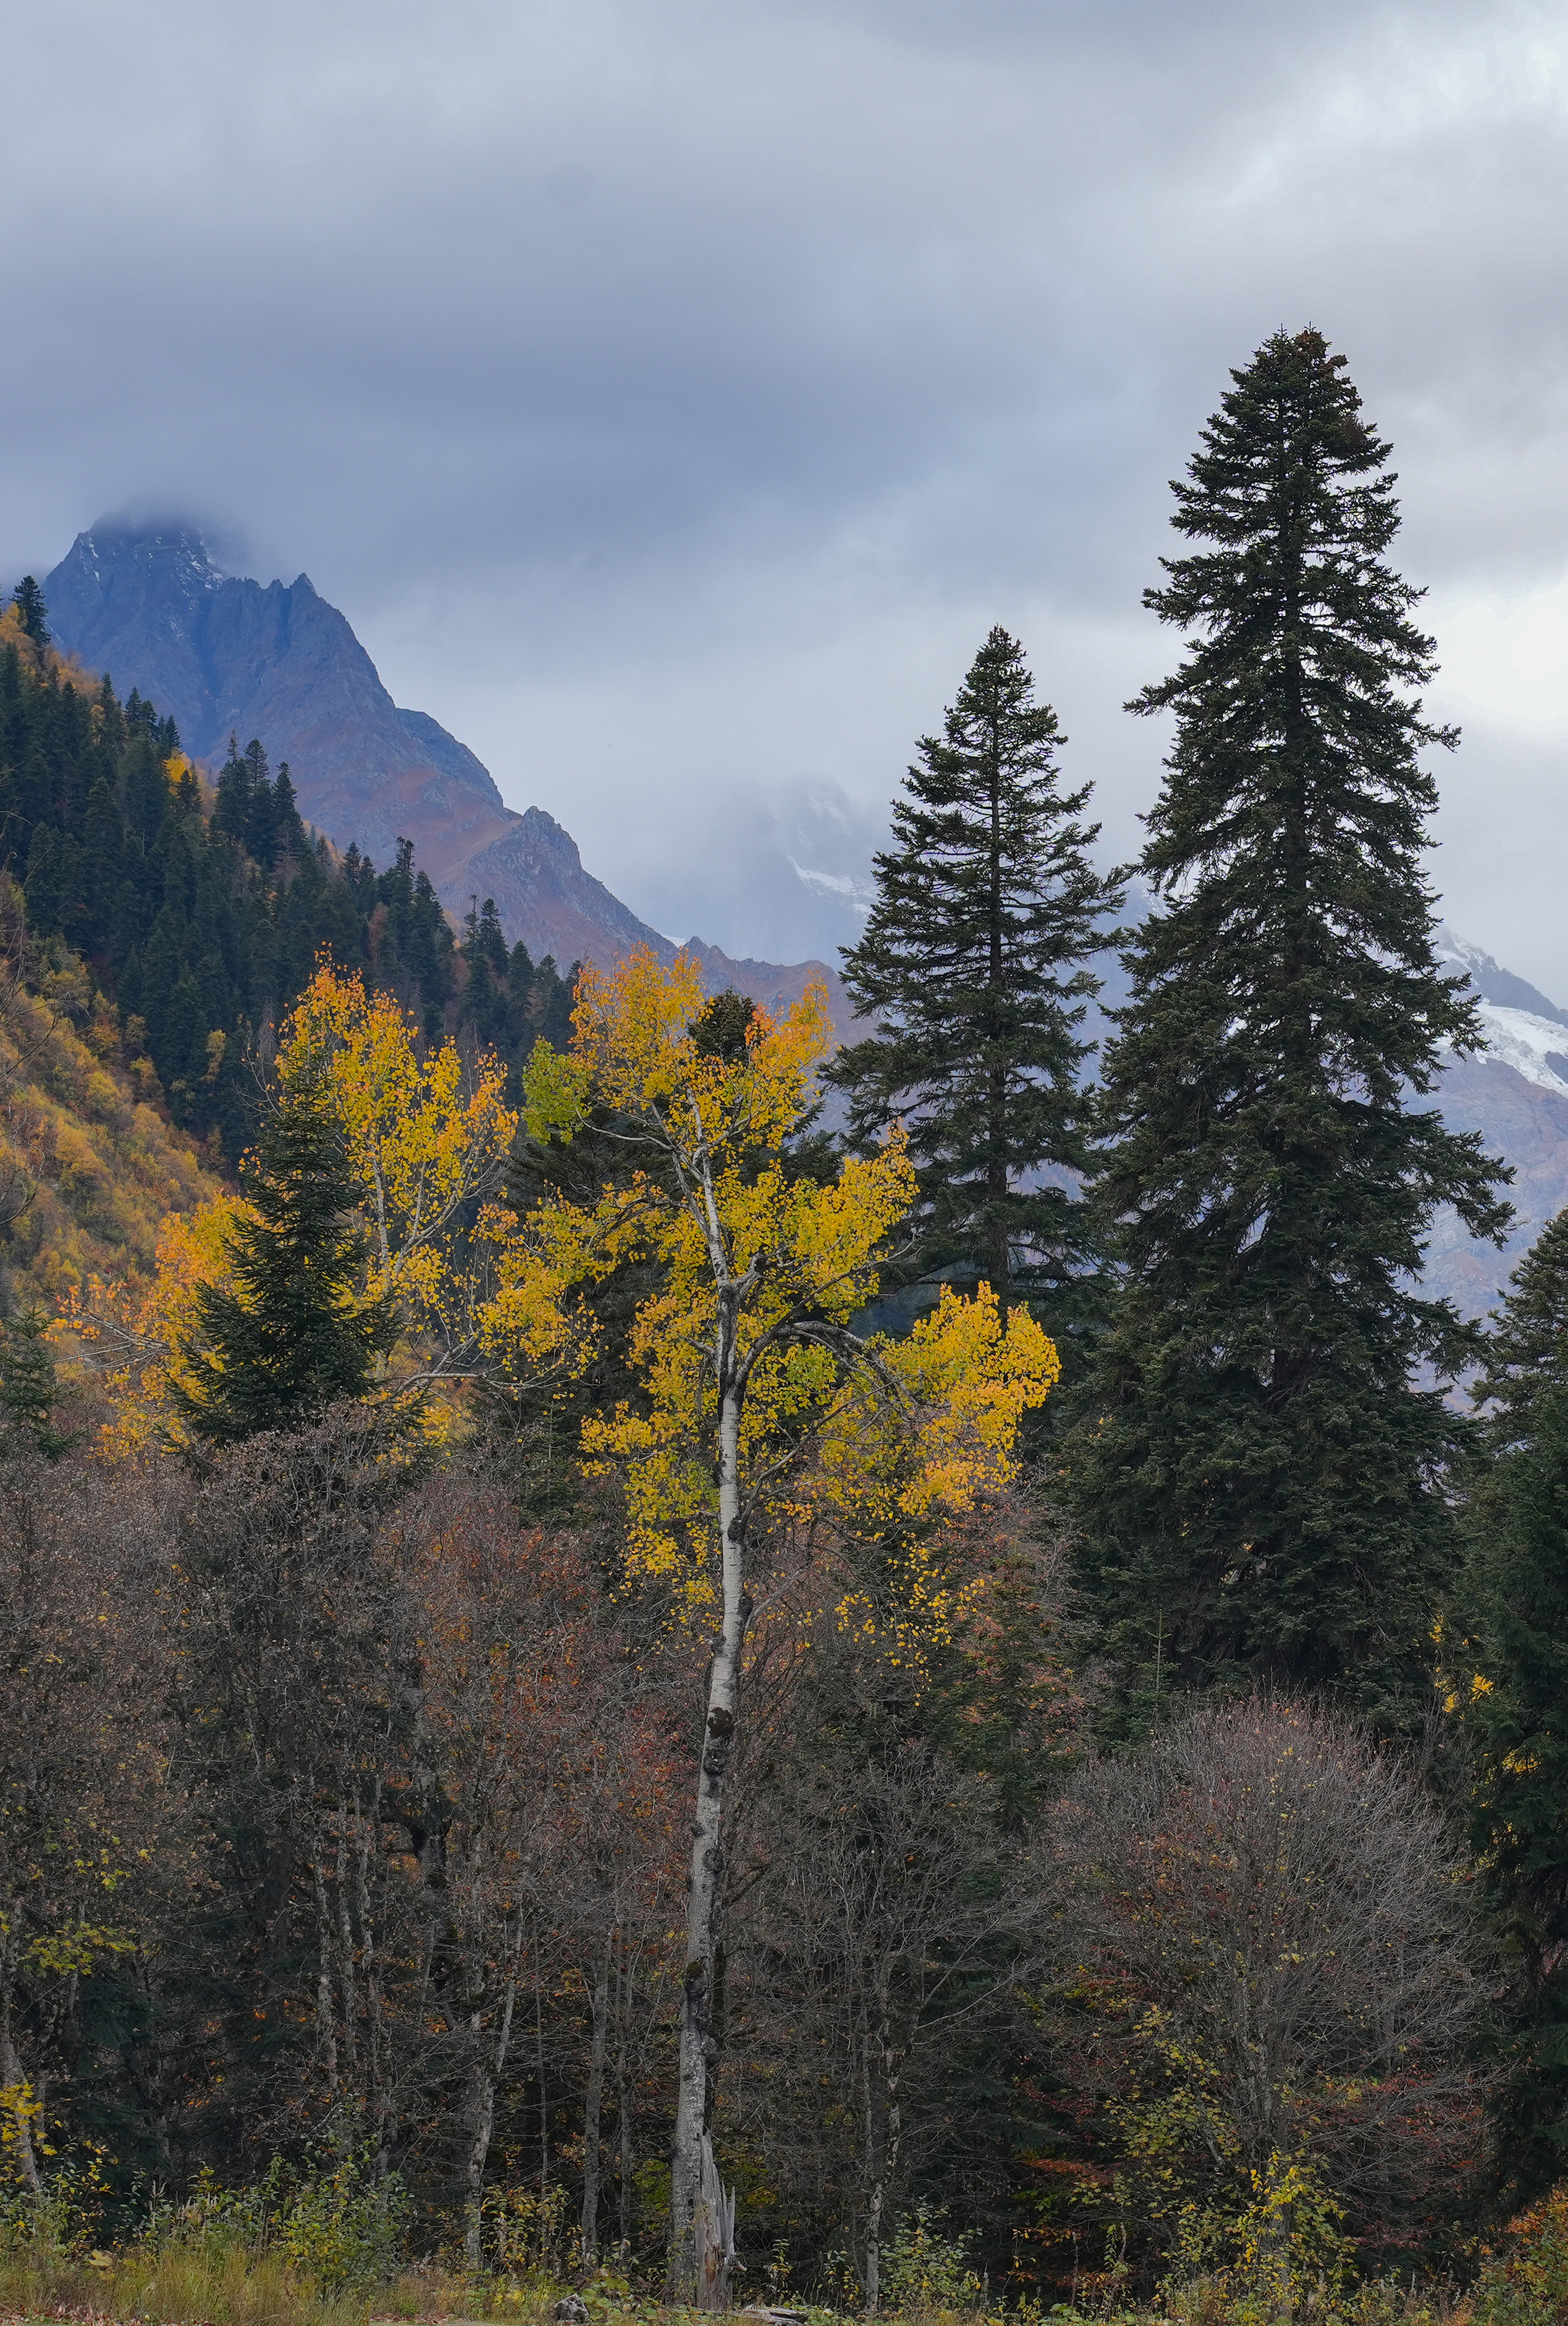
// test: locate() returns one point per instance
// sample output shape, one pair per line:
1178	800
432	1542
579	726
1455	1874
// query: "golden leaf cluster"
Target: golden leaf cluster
871	1429
429	1139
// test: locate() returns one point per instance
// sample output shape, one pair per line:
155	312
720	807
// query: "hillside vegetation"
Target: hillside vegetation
201	909
537	1745
91	1165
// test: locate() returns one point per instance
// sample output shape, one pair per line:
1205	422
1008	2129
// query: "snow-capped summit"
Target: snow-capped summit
1492	983
1534	1046
1524	1030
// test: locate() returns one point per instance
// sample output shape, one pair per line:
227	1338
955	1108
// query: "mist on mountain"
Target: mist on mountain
785	874
225	654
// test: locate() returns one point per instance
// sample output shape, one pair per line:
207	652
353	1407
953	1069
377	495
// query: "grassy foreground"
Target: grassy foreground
181	2279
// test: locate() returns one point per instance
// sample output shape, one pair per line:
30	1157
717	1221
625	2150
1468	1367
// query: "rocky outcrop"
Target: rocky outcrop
226	655
231	656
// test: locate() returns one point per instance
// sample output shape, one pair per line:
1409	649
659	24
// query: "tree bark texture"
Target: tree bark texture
698	2268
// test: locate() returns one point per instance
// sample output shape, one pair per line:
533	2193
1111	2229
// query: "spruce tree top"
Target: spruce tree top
295	1334
1287	846
1527	1352
974	957
1304	643
31	611
1261	1474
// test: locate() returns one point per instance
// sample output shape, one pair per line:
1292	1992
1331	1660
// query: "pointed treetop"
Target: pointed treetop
31	611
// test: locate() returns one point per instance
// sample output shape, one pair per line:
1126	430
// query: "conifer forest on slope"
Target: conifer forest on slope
536	1729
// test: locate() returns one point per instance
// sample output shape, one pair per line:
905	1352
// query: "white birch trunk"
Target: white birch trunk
624	2103
489	2060
11	2075
692	2277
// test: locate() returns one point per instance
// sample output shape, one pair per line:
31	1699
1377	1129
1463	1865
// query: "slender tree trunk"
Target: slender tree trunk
884	2124
593	2101
11	2076
539	2075
326	2026
482	2121
490	2062
699	2271
624	2102
367	1826
872	2275
345	1970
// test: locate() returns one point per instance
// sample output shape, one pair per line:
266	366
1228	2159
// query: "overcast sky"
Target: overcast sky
672	392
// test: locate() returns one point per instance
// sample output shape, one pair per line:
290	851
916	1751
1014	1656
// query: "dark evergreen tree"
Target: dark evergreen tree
231	810
722	1029
200	925
1526	1354
295	1334
144	789
31	611
288	824
1511	1654
28	1388
1257	1469
975	957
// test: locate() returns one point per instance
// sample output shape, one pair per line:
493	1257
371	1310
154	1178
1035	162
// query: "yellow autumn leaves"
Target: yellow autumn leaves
747	1250
698	1191
428	1141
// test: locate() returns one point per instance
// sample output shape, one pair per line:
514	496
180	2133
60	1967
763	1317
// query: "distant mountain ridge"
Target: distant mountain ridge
226	655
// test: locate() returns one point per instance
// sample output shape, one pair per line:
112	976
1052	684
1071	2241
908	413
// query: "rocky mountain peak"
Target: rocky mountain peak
226	655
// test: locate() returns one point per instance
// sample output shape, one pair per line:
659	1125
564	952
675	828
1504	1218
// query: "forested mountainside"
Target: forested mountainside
201	909
221	654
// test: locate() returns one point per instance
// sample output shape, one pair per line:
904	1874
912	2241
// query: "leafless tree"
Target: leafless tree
92	1836
299	1700
1270	1941
886	1937
551	1751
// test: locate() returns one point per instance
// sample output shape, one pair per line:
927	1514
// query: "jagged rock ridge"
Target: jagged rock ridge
226	655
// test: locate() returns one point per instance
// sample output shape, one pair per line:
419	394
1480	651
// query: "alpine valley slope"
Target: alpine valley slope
228	655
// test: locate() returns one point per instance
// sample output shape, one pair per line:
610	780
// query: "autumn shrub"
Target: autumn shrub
1526	2282
925	2266
166	2286
1268	1962
304	2247
340	2225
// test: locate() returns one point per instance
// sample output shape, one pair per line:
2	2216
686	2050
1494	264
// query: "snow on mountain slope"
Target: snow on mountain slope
1535	1047
1515	1093
1492	983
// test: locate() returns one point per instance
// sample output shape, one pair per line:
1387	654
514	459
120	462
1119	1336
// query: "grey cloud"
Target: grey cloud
672	392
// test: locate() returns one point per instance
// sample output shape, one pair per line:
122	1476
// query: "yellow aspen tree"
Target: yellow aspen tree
760	1391
427	1138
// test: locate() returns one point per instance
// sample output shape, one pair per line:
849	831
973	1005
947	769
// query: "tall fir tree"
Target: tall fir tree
1511	1689
31	611
1256	1468
975	959
296	1333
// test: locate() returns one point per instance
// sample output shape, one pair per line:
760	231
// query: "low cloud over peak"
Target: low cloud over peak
672	395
